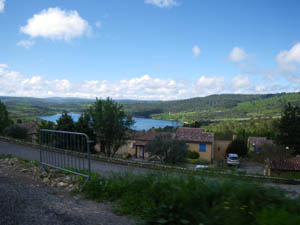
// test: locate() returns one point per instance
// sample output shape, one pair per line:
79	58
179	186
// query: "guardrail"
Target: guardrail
58	150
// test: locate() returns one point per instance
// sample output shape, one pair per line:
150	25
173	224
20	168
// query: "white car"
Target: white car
232	160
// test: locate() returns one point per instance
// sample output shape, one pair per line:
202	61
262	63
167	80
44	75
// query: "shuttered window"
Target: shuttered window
202	148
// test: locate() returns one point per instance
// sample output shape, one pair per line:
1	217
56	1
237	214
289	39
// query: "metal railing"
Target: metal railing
67	151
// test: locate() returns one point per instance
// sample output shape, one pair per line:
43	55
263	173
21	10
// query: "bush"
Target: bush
193	155
16	131
167	149
199	161
178	200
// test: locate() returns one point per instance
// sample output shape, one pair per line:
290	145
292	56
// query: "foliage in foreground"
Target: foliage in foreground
175	200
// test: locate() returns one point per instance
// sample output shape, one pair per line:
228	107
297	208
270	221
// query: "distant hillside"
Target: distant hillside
213	107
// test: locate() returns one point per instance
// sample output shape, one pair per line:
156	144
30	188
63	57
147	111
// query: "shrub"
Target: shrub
199	161
193	155
167	149
16	131
177	200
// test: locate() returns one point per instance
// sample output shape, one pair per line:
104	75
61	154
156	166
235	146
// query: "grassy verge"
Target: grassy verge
169	199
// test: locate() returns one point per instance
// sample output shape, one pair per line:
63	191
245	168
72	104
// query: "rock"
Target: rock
62	184
46	180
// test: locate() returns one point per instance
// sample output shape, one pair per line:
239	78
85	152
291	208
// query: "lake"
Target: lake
140	123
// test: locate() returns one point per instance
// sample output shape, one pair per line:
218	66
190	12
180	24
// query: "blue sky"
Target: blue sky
148	49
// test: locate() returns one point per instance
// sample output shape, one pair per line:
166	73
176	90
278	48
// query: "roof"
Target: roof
291	164
259	141
146	135
194	135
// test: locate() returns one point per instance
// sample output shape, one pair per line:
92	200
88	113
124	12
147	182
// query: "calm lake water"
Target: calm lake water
140	123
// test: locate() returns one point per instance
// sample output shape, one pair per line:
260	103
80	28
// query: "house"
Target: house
284	165
137	142
220	147
198	140
255	143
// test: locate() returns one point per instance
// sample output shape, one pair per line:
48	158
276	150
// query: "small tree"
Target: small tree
289	128
110	123
238	146
4	119
65	123
16	131
168	150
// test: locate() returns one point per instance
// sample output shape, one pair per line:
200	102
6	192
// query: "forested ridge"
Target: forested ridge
213	107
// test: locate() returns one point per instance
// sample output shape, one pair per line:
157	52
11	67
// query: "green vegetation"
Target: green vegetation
179	200
4	120
16	131
167	149
238	146
111	123
193	155
289	128
210	108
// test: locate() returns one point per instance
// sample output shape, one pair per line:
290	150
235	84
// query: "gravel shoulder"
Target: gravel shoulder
27	201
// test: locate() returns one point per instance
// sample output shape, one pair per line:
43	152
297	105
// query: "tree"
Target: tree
238	146
16	131
110	123
4	119
65	123
289	128
83	125
168	150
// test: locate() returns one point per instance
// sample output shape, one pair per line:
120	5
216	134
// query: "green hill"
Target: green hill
213	107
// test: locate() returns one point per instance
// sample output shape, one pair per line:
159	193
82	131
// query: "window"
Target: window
202	148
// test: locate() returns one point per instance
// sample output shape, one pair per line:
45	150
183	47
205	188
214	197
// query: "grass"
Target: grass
4	156
175	199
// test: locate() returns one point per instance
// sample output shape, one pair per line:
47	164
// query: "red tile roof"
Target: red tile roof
194	135
146	135
259	141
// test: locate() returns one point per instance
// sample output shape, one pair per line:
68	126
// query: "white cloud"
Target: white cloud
2	5
55	23
143	87
237	54
289	59
240	82
27	44
98	24
162	3
208	85
196	50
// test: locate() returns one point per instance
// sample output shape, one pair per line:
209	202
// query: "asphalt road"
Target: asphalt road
96	166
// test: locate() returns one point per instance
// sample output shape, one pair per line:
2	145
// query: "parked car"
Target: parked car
232	160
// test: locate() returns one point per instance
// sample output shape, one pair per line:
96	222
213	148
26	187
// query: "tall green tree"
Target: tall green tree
4	119
65	123
110	123
83	125
289	128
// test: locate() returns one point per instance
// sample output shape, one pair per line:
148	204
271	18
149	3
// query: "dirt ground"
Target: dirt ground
27	201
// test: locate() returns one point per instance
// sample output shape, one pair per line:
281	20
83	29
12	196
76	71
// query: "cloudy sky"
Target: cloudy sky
148	49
